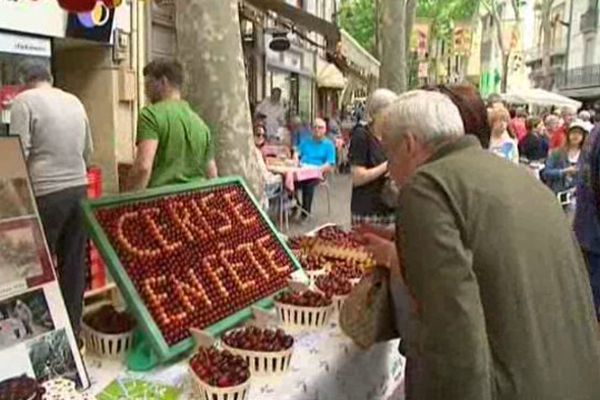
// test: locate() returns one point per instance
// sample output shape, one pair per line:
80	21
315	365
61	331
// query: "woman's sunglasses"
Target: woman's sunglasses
257	135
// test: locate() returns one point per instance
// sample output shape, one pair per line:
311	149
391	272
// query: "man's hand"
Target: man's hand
384	251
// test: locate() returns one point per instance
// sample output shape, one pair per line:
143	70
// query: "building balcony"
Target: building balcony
580	78
589	20
534	54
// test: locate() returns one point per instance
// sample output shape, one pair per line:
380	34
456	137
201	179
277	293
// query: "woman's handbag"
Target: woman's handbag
367	315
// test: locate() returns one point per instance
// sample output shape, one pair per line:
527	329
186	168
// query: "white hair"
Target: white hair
585	115
378	101
429	116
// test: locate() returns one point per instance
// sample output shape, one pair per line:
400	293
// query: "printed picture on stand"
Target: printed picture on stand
23	255
15	198
51	358
23	318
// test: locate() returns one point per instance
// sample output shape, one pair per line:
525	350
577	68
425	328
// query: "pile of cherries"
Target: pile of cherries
333	285
306	298
108	320
21	388
196	257
340	237
347	269
311	263
220	368
257	339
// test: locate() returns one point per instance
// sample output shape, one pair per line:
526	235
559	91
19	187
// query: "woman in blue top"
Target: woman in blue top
561	165
317	151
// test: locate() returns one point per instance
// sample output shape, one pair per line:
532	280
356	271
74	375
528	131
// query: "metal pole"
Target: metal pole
567	59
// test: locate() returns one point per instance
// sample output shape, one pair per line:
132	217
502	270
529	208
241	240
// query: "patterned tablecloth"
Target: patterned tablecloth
326	365
296	174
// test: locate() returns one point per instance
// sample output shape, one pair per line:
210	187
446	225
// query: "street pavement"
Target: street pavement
340	189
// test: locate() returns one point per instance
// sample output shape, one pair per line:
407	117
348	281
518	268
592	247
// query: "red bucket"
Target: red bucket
94	188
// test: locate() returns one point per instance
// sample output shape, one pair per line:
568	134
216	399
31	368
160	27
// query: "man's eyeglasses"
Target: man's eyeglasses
320	127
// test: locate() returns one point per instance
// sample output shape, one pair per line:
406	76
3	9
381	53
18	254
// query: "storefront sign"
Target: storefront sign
25	45
40	17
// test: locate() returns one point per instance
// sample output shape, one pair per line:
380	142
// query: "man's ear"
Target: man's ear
409	143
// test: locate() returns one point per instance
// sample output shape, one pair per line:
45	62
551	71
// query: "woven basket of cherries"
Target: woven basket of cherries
267	351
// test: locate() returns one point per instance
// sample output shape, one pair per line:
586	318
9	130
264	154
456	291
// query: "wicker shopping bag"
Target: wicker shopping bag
367	315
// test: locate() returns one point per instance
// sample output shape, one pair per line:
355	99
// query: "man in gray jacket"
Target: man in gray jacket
501	302
56	139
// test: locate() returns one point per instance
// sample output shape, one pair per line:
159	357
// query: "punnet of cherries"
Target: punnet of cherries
306	298
333	285
258	339
220	368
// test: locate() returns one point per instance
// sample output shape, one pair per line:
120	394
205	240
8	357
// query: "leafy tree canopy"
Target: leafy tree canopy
358	17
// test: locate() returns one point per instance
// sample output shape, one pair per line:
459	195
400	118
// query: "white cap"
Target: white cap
583	125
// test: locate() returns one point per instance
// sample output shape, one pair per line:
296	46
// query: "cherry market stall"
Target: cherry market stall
204	256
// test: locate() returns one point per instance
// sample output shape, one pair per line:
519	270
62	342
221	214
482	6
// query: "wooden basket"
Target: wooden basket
204	391
304	318
264	363
112	346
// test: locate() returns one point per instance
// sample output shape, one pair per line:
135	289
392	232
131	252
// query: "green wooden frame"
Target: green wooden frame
130	294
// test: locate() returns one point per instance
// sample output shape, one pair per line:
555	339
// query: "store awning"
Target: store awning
539	97
331	77
302	18
359	60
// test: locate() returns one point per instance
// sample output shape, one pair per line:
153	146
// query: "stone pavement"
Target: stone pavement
340	188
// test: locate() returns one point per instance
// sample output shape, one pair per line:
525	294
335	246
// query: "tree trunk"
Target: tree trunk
378	50
504	77
411	14
547	45
393	38
504	49
210	49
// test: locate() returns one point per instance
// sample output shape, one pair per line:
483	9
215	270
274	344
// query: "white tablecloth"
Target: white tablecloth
325	365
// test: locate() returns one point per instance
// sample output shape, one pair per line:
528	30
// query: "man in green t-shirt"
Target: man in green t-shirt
174	145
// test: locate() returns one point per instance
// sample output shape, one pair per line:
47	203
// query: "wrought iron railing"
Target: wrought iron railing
582	77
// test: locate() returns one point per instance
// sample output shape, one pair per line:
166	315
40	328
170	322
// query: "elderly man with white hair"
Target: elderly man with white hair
500	296
369	167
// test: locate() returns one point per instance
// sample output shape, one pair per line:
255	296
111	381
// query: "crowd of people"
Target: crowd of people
495	298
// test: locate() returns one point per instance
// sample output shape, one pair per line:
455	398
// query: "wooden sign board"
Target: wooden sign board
196	255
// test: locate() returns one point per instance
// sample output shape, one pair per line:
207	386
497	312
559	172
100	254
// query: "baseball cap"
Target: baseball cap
584	126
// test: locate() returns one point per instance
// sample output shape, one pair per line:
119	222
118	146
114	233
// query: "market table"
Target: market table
326	365
292	174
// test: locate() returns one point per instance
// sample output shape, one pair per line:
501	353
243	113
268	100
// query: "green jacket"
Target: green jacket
504	301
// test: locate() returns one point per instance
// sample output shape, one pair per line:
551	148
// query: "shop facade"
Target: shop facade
90	55
293	71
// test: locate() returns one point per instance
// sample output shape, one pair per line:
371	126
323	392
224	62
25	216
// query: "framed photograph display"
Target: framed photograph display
36	337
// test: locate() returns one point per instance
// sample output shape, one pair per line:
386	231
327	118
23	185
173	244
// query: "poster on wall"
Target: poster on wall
36	338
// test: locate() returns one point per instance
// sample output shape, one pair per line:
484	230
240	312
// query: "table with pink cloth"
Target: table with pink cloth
296	174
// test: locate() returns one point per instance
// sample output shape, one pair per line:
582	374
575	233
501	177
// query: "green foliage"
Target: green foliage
357	17
443	14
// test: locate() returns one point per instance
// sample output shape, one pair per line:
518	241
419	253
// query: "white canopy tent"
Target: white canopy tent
539	97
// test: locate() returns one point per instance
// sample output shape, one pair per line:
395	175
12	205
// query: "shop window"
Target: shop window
589	50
